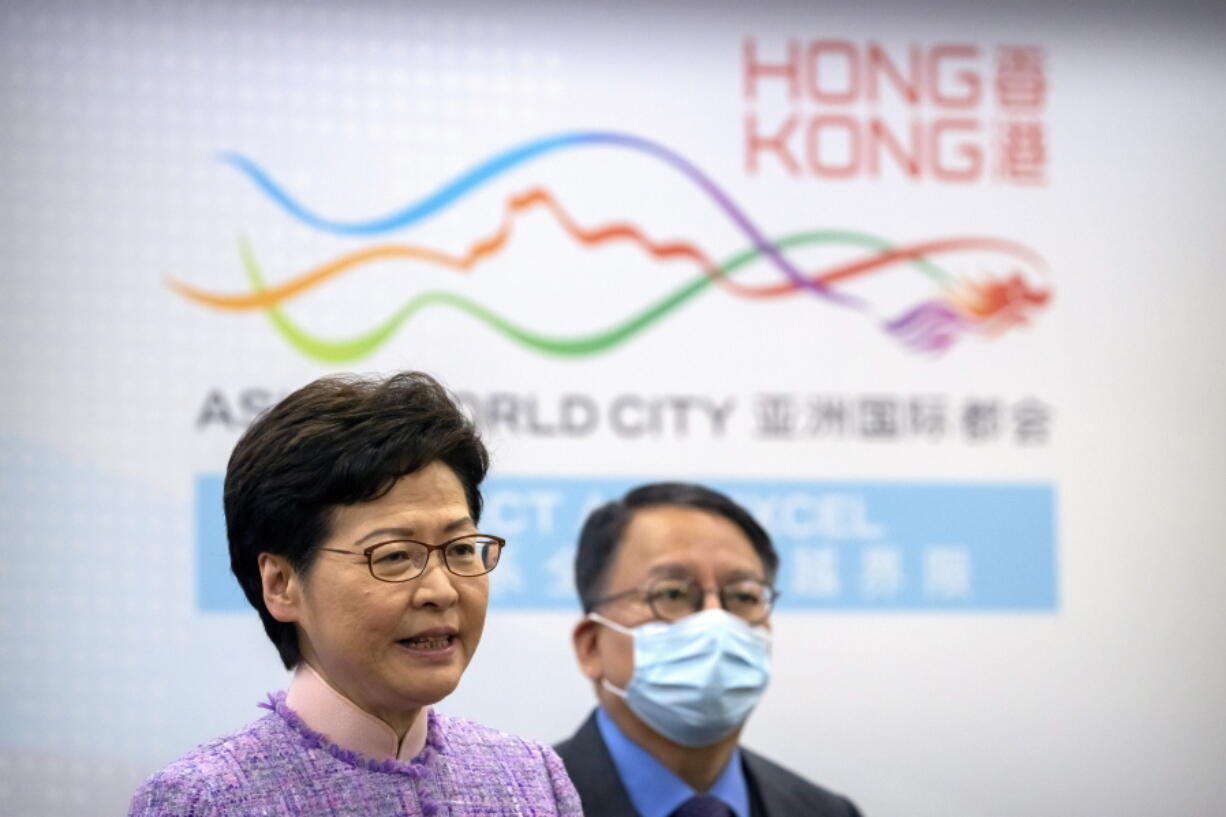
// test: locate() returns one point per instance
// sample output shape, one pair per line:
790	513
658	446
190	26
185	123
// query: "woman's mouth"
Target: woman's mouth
428	642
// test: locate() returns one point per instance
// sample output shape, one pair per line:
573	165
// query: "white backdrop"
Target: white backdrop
1024	614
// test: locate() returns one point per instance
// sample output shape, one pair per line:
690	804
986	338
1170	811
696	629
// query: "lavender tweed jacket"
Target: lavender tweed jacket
278	767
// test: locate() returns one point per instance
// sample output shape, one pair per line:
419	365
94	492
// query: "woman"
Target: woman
351	511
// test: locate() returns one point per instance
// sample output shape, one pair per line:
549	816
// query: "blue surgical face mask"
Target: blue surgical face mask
696	679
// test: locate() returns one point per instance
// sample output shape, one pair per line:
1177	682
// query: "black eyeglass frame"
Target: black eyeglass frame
771	594
370	563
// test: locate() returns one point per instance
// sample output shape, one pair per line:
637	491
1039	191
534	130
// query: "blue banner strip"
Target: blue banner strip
852	546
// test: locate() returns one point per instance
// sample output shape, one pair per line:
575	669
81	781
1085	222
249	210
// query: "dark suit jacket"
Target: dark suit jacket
773	790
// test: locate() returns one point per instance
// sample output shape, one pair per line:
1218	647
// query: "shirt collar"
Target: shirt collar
341	721
653	788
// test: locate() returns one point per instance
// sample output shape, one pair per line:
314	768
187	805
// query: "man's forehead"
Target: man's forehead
680	522
675	539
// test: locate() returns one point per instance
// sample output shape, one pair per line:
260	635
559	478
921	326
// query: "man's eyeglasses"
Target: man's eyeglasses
674	598
400	560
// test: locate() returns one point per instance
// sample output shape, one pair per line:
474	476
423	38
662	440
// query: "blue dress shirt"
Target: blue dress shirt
654	790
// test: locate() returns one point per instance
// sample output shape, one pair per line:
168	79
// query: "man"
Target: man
676	584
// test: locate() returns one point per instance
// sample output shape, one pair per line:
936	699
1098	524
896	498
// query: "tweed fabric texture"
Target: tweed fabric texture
278	767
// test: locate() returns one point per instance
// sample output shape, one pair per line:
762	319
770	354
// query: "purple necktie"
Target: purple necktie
702	806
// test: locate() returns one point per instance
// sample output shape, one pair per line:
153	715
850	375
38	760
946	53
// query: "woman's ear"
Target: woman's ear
587	650
282	587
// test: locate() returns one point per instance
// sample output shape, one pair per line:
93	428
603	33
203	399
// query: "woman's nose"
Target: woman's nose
436	584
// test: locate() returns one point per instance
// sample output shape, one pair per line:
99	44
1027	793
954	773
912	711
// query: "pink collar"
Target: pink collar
341	721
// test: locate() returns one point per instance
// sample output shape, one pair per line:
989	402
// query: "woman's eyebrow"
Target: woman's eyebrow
459	523
409	532
387	533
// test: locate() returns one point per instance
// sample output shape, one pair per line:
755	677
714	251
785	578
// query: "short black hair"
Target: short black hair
602	531
337	441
